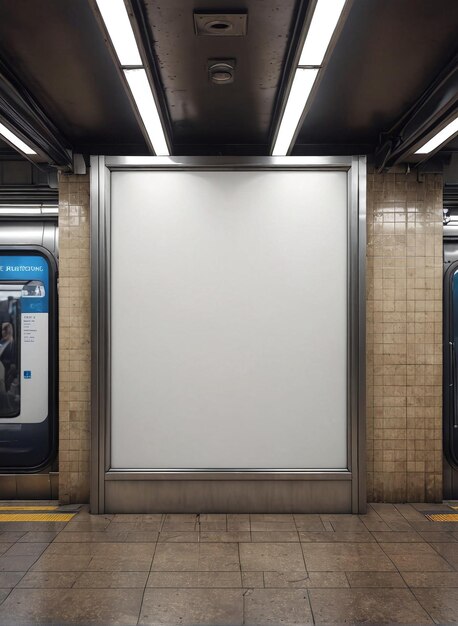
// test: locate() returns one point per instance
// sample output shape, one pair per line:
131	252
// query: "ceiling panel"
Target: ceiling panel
387	54
56	48
237	113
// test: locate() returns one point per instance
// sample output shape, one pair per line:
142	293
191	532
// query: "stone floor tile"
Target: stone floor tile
308	522
141	517
178	536
304	580
271	557
420	563
119	564
441	604
253	580
181	517
431	579
196	557
375	524
278	526
449	551
72	606
4	547
139	536
220	526
48	580
16	563
428	526
179	526
31	526
372	606
345	525
92	526
38	537
27	549
397	537
61	563
409	512
195	579
438	536
11	536
91	537
375	579
283	518
111	580
238	522
293	580
407	548
274	536
277	606
109	550
4	593
192	606
212	517
337	557
10	579
232	536
339	537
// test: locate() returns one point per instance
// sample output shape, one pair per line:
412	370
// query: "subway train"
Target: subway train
450	397
28	357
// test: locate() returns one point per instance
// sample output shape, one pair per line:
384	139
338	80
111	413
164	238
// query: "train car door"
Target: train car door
28	411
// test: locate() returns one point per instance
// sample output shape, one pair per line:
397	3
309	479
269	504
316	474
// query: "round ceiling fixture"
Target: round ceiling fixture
215	26
221	72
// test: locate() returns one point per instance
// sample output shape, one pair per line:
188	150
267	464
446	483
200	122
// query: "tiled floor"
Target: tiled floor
390	566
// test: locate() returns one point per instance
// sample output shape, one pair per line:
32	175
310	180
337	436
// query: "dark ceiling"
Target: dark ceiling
387	55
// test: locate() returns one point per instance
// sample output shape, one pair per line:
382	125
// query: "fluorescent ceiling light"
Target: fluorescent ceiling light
119	28
322	27
298	96
141	91
17	143
440	138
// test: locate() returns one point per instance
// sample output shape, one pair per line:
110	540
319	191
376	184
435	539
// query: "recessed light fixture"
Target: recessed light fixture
300	90
323	24
141	91
119	28
324	21
15	141
440	138
117	23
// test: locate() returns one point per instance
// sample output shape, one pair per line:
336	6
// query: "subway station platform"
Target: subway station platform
394	565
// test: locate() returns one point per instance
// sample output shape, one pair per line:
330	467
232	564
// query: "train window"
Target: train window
10	317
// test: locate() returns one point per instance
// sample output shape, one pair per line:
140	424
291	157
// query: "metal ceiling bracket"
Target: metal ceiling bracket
432	111
24	115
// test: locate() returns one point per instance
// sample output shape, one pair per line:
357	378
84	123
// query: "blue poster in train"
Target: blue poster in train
24	338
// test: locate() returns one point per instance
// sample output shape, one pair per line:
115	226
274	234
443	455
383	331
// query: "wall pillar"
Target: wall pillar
404	337
74	338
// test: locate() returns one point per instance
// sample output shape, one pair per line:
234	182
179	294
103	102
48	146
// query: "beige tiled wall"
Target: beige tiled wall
404	337
74	339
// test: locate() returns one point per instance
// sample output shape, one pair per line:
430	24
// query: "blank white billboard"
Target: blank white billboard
229	320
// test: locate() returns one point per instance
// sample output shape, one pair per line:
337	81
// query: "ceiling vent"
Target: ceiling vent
220	24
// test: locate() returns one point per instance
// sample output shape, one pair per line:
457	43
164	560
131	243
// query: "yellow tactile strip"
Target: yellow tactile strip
36	517
443	517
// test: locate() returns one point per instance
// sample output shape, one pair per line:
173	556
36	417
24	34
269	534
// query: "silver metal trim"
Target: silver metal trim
228	163
101	168
227	475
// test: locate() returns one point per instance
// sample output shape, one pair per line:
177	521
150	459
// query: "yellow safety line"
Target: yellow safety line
36	517
28	508
443	517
